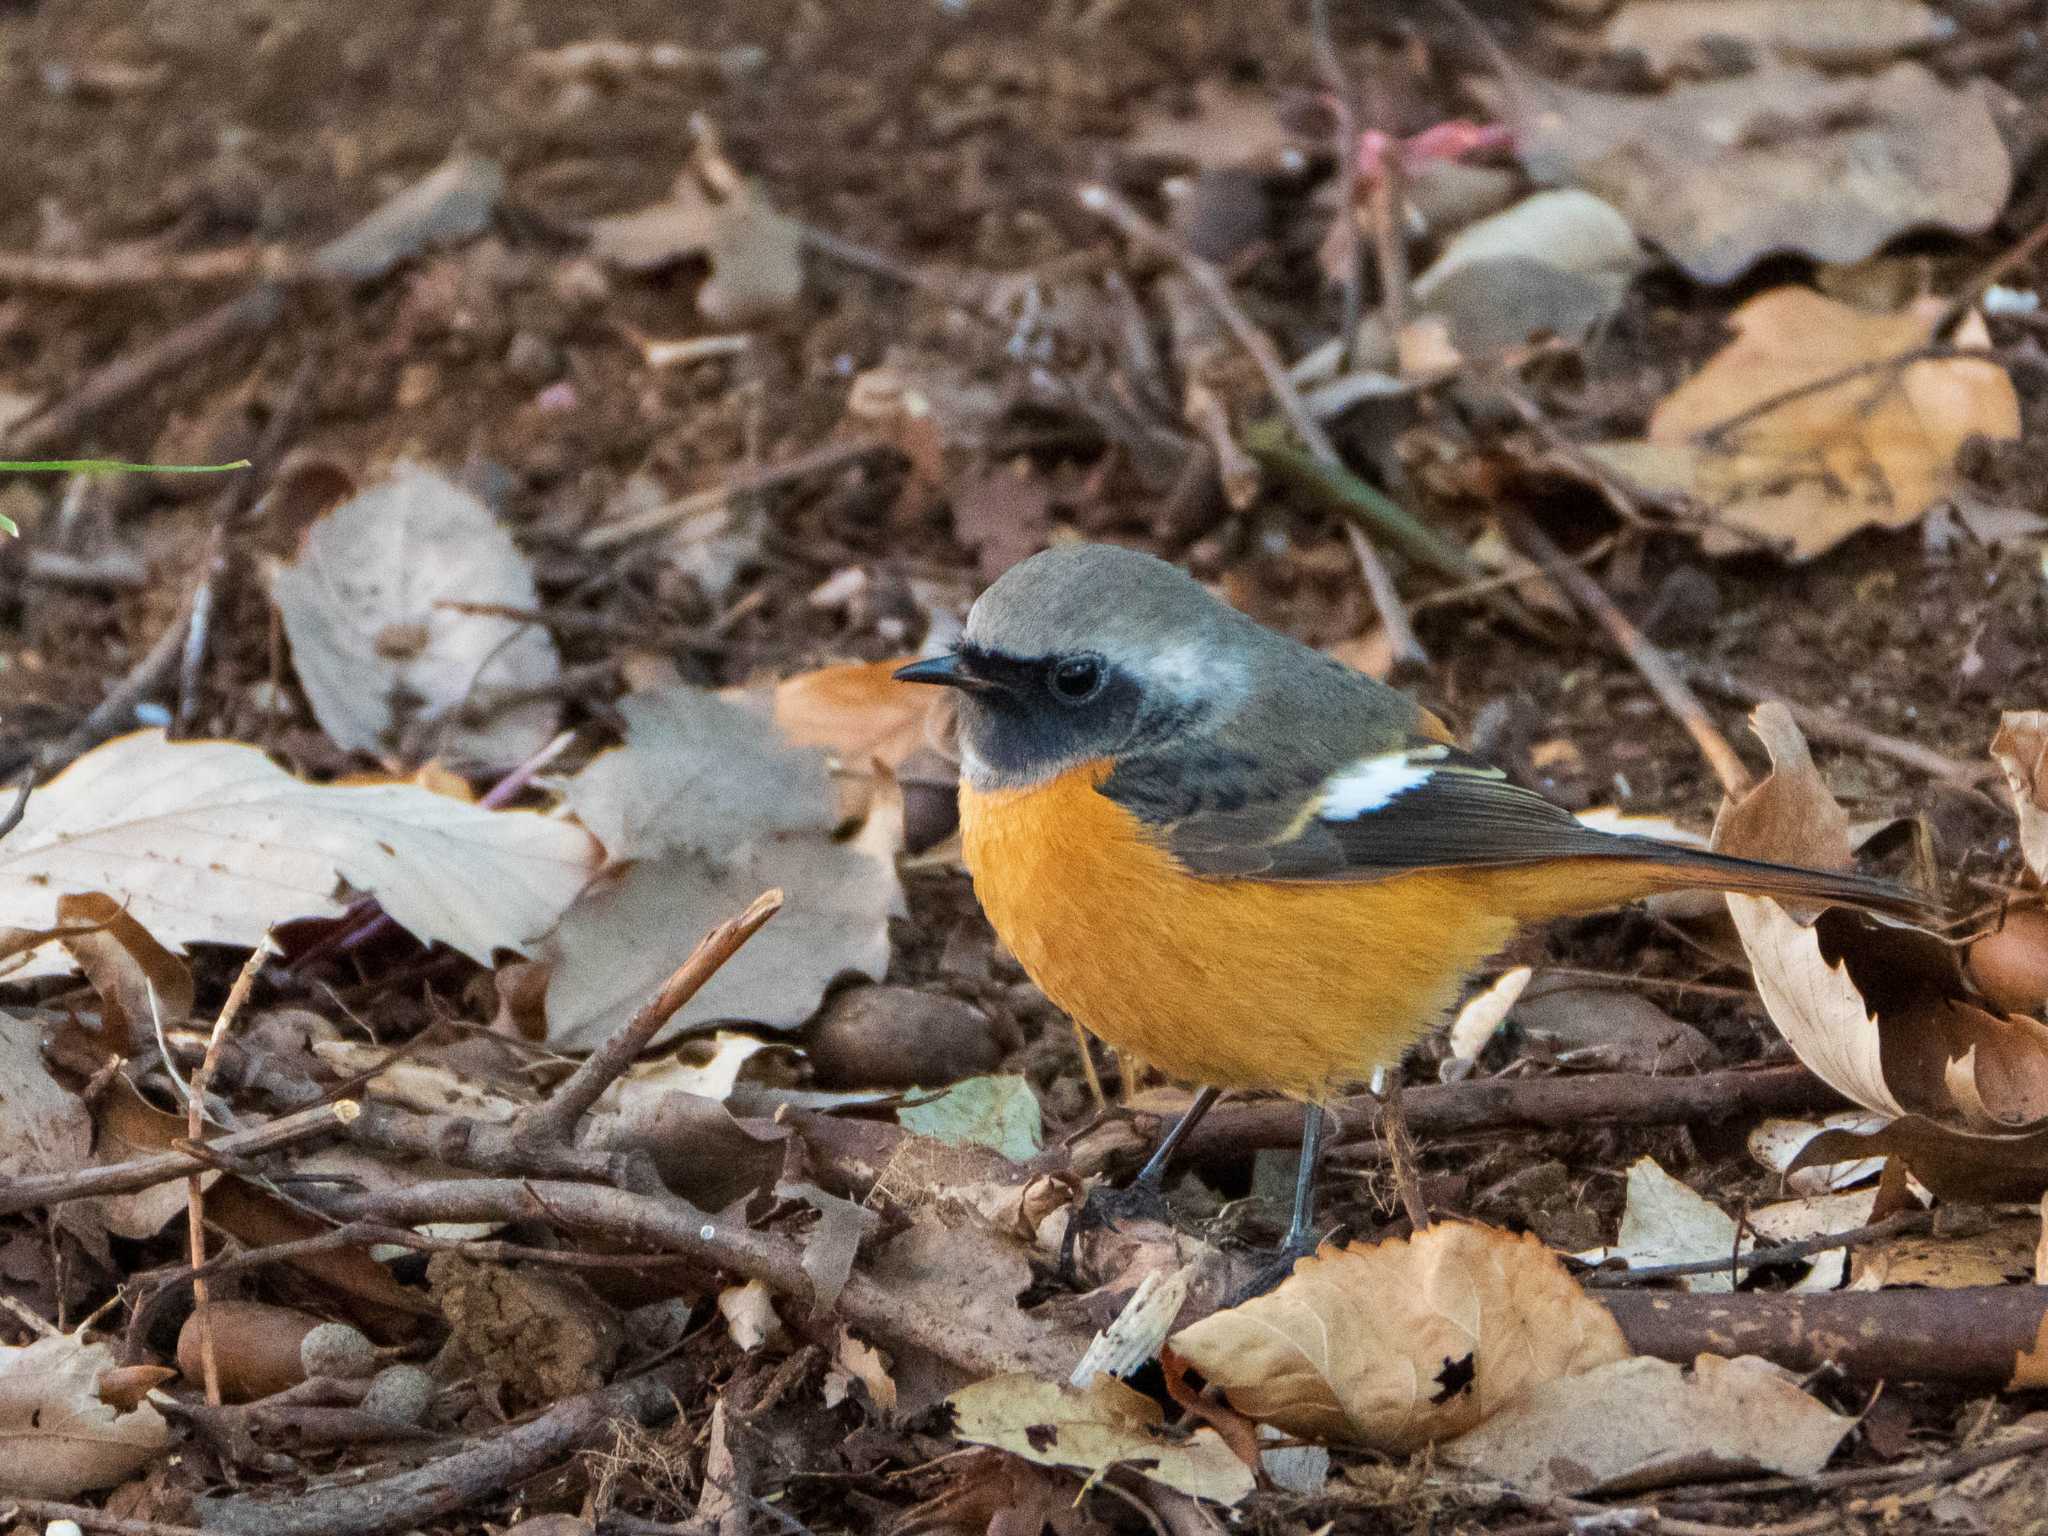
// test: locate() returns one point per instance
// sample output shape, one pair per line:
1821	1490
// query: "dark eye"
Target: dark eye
1077	679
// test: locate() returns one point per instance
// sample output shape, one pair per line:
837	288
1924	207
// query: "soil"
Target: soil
947	138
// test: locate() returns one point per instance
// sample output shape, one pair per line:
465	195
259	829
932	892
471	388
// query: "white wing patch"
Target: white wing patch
1372	782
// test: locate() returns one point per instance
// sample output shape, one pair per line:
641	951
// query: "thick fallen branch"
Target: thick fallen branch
1981	1335
433	1492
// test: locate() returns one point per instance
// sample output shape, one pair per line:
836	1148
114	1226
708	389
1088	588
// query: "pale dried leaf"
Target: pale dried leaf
749	1313
2002	1252
1403	1343
1877	450
1108	1425
1228	128
1836	33
57	1438
1777	1144
2021	749
698	774
212	842
1725	172
387	665
1644	1423
755	251
453	202
1667	1222
1484	1011
1792	1221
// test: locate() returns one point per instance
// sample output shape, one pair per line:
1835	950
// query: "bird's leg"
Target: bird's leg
1146	1196
1401	1153
1300	1240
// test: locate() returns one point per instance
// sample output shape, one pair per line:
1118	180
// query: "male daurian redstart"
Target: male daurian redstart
1243	861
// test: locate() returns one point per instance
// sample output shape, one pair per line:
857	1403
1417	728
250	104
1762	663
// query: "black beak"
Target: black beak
944	672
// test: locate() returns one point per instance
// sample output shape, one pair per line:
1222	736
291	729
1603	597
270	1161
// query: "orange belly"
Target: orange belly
1239	984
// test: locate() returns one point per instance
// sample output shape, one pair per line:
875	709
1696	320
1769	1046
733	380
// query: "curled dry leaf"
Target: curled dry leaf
1643	1423
2021	749
139	982
1107	1425
1875	451
1400	1344
387	664
706	807
1723	173
58	1436
211	842
1963	1092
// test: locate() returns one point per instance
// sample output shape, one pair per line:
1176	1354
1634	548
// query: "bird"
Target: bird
1246	863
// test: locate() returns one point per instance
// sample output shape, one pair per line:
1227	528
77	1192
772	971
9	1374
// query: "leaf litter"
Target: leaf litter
872	1269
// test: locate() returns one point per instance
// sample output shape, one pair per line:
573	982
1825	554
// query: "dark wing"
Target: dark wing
1422	805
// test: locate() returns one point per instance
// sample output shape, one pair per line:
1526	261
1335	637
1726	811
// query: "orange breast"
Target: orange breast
1239	984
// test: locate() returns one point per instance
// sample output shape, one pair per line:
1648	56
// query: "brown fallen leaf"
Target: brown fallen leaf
58	1436
1875	451
1400	1344
1104	1426
140	983
1725	172
2001	1252
2021	749
1642	1423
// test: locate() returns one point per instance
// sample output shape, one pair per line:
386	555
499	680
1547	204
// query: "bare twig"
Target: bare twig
1825	725
1778	1253
818	461
34	1191
1654	666
218	571
1322	47
132	268
555	1120
85	1517
1209	281
426	1495
2013	257
19	808
251	314
1934	351
195	1184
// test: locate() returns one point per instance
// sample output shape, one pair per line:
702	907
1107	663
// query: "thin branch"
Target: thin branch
1099	199
819	461
1655	667
1779	1253
555	1120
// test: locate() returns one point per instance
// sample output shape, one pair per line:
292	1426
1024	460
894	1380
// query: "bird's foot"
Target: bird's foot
1276	1266
1107	1207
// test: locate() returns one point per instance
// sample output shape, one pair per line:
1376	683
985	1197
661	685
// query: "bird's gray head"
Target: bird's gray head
1087	652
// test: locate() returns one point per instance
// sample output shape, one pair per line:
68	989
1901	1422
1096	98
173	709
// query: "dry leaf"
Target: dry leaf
211	842
139	982
45	1129
1839	34
453	202
387	665
2021	749
1108	1425
749	1313
1483	1013
1403	1343
130	1126
1667	1222
1792	1221
2002	1252
755	251
1777	1144
1877	450
997	1112
1723	173
58	1438
715	809
855	1359
1227	129
1643	1423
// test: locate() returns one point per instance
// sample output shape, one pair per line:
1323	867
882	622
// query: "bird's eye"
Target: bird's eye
1077	679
